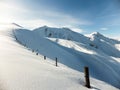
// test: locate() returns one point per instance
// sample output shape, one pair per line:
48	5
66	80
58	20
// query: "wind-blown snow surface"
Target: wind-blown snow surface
20	69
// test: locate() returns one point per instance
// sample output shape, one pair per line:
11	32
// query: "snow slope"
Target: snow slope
20	69
75	52
106	45
99	49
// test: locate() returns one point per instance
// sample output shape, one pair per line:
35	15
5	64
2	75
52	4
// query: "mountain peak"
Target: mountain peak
96	34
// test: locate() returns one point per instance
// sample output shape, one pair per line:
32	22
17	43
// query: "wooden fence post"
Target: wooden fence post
37	53
32	50
44	57
56	62
87	81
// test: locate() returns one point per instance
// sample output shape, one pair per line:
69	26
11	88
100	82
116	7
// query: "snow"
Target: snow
61	33
22	69
74	45
105	44
117	46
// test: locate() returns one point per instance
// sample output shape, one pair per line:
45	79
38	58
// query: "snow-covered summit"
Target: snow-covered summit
61	33
105	44
97	35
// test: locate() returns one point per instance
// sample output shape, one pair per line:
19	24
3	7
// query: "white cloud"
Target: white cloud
63	19
31	24
75	29
13	12
5	14
58	18
9	11
111	19
78	30
53	19
104	28
114	22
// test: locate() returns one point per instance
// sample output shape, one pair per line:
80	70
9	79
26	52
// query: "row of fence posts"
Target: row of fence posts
56	60
86	72
86	69
33	50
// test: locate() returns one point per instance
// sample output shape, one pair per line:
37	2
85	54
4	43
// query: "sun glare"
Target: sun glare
7	12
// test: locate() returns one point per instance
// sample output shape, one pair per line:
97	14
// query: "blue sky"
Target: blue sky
84	16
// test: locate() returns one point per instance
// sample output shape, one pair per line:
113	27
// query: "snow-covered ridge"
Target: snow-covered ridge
97	35
105	44
95	40
61	33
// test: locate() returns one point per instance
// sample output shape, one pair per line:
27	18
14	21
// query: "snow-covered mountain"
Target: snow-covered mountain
61	33
105	44
73	50
96	40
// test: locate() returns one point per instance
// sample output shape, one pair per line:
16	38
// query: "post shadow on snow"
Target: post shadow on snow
85	59
95	88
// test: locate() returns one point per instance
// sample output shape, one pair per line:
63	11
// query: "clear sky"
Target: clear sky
84	16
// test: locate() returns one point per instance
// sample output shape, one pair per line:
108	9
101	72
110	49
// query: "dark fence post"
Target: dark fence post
56	62
37	53
44	57
32	50
87	81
